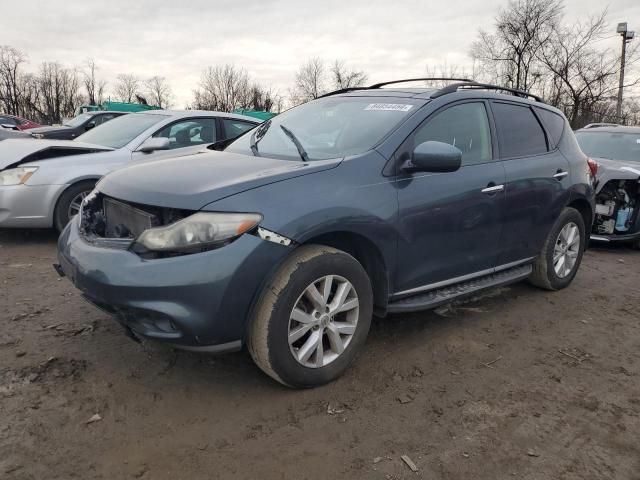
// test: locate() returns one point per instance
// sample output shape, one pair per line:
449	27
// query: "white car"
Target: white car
43	182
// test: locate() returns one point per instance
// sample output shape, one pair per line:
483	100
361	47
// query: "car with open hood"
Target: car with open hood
616	150
42	182
367	200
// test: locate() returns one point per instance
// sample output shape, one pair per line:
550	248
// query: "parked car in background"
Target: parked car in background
366	200
75	127
16	123
616	149
6	133
43	182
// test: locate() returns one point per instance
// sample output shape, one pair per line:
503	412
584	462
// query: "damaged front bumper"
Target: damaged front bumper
28	206
617	216
199	301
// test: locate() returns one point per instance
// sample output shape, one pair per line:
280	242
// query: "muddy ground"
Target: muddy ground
521	384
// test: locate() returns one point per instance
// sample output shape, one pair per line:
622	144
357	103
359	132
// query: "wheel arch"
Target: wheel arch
368	254
75	182
585	210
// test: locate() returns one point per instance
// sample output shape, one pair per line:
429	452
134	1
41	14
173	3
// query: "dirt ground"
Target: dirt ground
520	384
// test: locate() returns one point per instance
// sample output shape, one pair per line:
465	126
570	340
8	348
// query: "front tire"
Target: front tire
558	262
312	317
69	203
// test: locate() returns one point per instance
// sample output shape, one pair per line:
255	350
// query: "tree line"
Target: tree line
531	47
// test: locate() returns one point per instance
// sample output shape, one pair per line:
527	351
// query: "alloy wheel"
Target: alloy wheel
74	206
566	250
323	321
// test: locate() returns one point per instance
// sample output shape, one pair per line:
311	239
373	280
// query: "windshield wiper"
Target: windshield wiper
296	142
257	135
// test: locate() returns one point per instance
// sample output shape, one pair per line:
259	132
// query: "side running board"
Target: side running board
435	298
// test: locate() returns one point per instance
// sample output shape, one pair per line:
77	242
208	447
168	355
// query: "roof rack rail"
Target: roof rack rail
406	80
601	124
425	79
483	86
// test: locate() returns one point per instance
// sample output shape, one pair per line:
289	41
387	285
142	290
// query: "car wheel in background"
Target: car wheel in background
560	258
69	203
312	317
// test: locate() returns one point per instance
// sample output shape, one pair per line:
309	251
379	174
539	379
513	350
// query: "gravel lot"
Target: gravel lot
520	384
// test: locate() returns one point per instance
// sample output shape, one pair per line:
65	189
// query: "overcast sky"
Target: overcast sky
270	39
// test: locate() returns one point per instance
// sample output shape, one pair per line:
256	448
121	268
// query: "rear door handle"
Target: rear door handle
492	188
560	174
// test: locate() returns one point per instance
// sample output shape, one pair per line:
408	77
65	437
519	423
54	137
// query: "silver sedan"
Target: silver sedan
42	182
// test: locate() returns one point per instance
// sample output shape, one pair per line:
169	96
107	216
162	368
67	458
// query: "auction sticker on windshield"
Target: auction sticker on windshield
396	107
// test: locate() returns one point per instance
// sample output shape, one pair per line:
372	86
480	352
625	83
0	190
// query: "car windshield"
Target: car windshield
118	132
77	121
613	145
332	127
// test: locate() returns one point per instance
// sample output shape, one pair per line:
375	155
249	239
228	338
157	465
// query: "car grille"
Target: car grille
125	221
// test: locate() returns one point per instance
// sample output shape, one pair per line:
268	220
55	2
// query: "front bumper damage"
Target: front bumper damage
199	301
617	216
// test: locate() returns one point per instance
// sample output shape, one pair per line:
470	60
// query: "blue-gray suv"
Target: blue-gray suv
363	202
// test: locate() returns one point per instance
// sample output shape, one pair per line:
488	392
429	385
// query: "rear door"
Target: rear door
537	180
450	223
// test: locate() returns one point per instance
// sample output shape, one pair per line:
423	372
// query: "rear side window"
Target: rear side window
465	126
234	128
554	124
519	132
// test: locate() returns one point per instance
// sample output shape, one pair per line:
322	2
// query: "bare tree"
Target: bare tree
126	87
584	78
94	87
509	55
343	77
309	82
223	88
446	70
59	92
11	62
159	91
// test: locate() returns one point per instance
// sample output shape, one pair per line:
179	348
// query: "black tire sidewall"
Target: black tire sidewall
60	218
568	215
281	359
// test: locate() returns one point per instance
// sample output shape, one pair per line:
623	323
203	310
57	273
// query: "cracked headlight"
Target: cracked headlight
198	231
16	176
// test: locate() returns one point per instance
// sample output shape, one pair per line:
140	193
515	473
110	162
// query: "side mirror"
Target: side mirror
434	157
154	143
89	126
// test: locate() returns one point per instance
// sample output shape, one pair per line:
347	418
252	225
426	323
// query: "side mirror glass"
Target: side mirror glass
434	157
154	143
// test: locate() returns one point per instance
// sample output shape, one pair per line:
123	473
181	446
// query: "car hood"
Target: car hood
193	181
59	128
615	170
14	152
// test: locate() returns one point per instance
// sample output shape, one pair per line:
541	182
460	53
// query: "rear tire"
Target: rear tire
68	203
334	331
558	262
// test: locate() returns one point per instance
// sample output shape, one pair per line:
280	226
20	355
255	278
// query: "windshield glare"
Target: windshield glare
612	145
77	121
332	127
118	132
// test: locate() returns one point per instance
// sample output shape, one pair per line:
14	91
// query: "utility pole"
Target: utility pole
627	36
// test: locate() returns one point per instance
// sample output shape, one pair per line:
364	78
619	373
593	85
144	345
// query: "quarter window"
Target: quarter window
234	128
465	126
519	131
554	124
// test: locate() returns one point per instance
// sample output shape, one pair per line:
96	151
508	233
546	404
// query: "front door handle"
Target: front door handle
560	174
492	189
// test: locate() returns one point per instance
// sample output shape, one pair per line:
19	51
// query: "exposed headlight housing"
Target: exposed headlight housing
16	176
199	231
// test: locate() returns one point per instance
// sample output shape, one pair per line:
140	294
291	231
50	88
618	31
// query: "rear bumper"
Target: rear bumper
28	206
197	300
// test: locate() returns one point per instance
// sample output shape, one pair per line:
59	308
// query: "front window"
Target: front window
118	132
612	145
190	132
332	127
77	121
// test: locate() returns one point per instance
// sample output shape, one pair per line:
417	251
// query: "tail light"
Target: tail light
593	166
